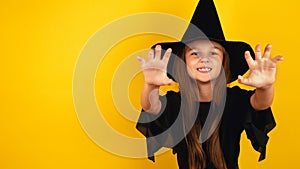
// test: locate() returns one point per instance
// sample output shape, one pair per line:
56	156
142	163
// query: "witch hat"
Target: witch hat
205	24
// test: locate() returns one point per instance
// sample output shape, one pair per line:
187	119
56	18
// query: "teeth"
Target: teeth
206	69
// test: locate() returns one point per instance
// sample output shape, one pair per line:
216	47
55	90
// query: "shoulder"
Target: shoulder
237	107
174	94
236	89
238	100
238	93
171	97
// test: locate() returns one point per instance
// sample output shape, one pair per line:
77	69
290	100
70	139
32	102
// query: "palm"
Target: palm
155	68
262	69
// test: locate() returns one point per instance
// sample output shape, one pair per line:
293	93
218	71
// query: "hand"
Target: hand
155	69
262	69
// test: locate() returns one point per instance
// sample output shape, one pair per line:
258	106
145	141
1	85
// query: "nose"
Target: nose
203	59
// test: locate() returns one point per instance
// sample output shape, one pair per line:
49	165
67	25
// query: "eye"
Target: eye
195	54
214	53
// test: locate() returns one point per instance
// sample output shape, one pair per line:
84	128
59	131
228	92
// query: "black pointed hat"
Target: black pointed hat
205	24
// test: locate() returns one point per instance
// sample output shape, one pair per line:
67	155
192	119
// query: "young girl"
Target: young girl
208	116
204	60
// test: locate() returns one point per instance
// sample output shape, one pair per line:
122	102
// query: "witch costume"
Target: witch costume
238	114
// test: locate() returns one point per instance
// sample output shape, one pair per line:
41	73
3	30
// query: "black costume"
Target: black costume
238	116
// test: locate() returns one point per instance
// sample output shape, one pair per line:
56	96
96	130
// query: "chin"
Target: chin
203	80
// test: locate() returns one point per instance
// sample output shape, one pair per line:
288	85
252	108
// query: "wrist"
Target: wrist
266	87
151	86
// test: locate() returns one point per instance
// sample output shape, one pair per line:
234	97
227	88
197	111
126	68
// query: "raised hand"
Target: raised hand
262	69
155	68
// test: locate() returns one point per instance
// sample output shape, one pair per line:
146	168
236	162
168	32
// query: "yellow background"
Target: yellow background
41	42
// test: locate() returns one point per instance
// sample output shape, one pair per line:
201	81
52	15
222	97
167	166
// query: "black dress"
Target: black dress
238	115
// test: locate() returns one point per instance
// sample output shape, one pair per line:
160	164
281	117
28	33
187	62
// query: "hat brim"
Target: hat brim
235	50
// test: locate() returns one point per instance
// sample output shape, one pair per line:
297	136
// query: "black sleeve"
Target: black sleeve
257	124
151	126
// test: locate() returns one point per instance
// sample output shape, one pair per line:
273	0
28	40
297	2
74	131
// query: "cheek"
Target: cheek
221	58
190	72
217	62
217	65
190	67
191	62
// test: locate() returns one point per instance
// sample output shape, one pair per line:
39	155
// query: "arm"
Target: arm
150	99
262	98
155	74
262	77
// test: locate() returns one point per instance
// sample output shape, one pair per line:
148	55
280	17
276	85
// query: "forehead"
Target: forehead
204	44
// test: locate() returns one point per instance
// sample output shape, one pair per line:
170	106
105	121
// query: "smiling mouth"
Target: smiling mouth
204	69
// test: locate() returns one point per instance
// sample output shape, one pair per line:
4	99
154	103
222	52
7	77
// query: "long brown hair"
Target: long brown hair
197	159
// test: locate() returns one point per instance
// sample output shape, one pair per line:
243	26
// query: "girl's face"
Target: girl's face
204	60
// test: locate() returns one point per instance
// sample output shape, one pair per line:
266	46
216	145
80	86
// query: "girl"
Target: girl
204	60
203	122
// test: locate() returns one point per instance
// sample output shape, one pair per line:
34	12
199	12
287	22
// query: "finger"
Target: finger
151	54
142	60
168	81
167	55
277	59
257	52
157	53
249	59
243	80
267	52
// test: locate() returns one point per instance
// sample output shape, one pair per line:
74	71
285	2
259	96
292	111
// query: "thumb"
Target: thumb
243	80
277	59
168	81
